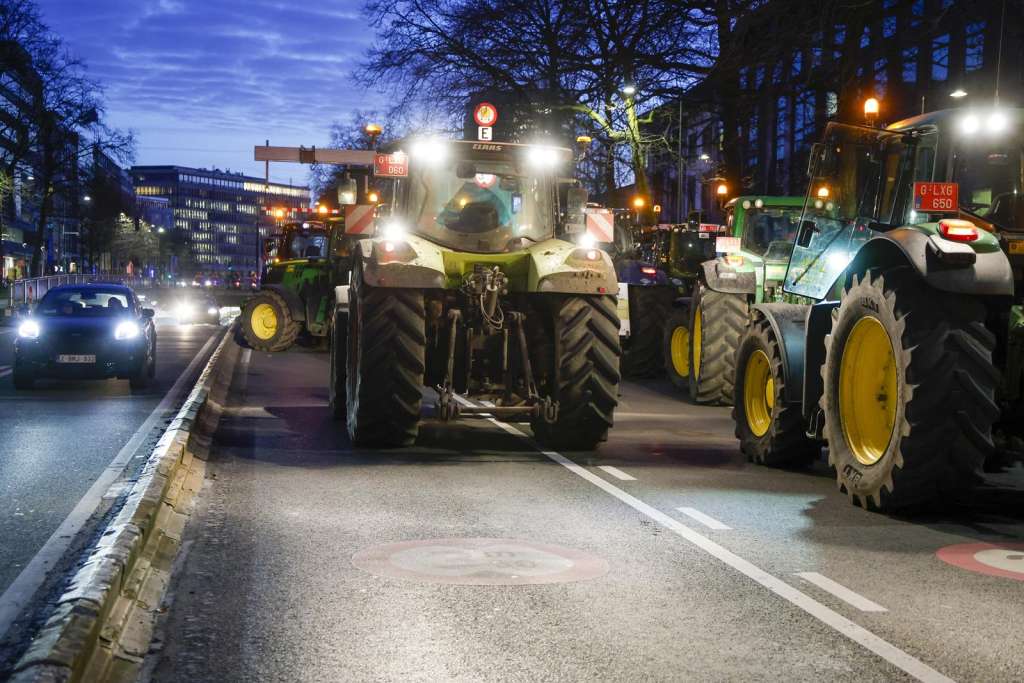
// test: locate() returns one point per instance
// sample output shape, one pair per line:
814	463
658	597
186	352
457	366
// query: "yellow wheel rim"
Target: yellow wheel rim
867	390
680	349
696	340
264	321
758	393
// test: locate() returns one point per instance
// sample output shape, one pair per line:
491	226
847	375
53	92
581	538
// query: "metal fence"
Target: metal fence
30	290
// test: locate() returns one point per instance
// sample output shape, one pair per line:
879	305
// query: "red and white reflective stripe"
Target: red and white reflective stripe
359	219
601	224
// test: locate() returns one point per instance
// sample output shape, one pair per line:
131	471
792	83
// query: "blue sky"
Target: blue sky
201	82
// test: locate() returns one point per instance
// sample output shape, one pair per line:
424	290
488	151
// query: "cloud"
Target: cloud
219	74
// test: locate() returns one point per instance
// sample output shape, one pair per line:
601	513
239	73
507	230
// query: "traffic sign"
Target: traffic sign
391	165
936	197
485	114
485	133
359	219
994	559
600	224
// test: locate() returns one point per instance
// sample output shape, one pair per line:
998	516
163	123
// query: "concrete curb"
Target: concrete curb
102	625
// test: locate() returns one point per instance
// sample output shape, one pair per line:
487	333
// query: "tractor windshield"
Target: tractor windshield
991	182
770	229
303	243
860	177
487	205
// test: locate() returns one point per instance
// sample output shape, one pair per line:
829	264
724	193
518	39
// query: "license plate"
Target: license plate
1016	246
76	358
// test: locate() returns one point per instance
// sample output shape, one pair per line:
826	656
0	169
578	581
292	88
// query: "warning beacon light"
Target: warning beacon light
871	109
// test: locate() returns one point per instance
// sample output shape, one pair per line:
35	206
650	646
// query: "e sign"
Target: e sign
936	197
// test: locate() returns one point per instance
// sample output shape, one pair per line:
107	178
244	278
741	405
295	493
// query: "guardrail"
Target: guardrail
31	289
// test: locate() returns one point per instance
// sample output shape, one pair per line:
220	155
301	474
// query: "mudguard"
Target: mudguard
411	262
819	325
295	305
788	322
721	278
943	264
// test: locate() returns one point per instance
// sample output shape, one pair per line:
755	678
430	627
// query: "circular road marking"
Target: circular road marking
479	561
1006	559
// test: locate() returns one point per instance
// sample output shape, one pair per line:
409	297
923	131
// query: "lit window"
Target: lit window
781	127
940	58
881	77
831	104
974	46
803	118
797	63
889	27
910	65
865	38
759	77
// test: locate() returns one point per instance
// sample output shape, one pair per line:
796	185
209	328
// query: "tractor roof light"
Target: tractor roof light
722	190
639	202
542	156
871	107
823	192
958	230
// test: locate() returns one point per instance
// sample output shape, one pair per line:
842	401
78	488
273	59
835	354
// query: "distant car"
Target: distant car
93	331
198	307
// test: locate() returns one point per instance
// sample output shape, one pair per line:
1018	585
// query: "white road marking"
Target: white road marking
617	473
20	592
855	632
841	592
709	522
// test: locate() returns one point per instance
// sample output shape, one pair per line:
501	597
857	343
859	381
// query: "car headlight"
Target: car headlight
183	310
212	310
29	330
126	330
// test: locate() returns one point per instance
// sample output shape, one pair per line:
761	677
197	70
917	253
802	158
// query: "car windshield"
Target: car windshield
84	302
991	183
481	205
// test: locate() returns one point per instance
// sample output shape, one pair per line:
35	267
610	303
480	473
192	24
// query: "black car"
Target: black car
93	331
196	307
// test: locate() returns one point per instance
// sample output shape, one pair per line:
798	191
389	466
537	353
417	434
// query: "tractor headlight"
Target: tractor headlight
213	310
29	330
126	330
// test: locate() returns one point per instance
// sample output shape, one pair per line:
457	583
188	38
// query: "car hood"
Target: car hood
71	325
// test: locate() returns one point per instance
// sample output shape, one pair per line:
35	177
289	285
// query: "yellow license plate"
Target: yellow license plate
1016	246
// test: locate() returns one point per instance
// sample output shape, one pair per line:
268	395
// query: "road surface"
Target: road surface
476	556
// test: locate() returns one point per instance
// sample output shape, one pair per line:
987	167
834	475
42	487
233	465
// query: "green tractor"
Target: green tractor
906	358
754	251
474	286
303	265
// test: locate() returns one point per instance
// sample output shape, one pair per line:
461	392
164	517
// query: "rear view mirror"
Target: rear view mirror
148	313
575	202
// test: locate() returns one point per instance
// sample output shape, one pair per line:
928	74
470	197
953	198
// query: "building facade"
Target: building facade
219	215
912	55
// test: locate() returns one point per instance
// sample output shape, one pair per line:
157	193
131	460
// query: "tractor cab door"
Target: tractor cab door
859	179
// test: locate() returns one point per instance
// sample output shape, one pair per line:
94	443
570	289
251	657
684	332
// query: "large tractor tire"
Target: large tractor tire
717	321
336	340
770	430
386	351
676	348
648	307
584	371
909	391
267	323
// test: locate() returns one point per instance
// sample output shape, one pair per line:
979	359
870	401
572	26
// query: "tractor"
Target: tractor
758	237
907	358
476	284
303	264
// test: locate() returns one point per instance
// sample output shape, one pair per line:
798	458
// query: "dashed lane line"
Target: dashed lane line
706	520
18	595
841	592
855	632
617	473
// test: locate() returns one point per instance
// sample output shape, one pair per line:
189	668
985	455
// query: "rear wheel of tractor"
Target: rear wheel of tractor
267	323
336	392
676	348
386	351
717	322
909	391
648	307
769	429
584	377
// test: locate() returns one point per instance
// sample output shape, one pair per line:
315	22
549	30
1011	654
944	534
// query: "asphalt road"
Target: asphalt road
662	556
57	440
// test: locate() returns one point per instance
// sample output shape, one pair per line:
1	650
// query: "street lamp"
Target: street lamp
629	90
373	130
87	198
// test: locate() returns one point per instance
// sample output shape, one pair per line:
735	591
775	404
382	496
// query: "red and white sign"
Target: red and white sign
600	224
485	114
994	559
936	197
391	165
359	219
711	227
